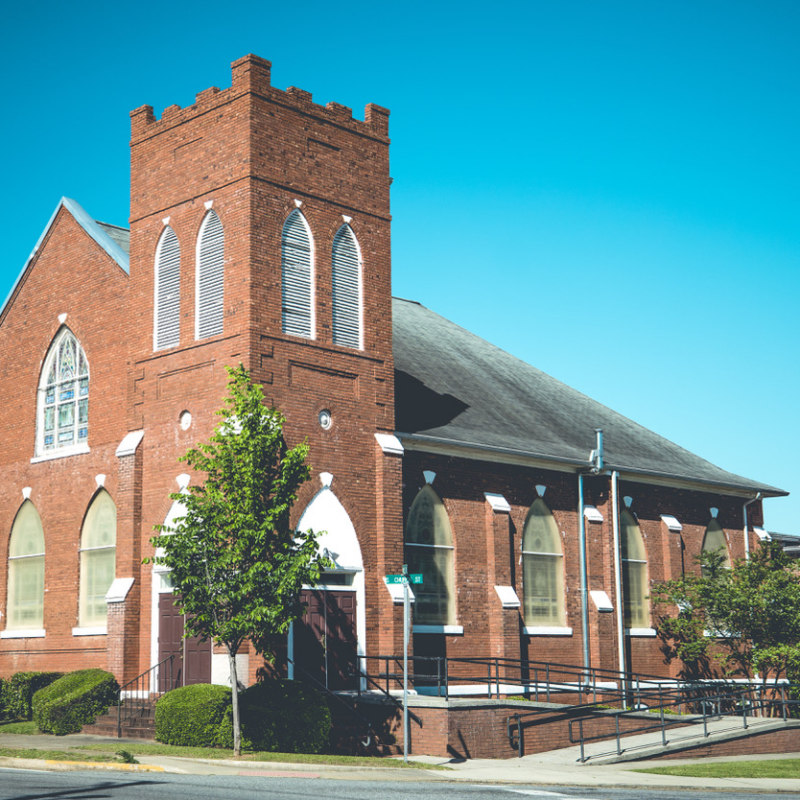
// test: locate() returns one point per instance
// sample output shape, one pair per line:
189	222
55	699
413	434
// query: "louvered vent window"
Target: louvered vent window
210	276
297	308
346	263
168	291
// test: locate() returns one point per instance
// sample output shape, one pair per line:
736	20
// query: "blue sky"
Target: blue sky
608	190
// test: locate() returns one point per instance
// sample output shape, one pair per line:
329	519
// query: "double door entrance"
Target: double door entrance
191	661
325	639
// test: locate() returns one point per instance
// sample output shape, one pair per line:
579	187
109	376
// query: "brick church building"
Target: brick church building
260	233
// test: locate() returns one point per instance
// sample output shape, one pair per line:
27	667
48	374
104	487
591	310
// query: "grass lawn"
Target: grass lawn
293	758
19	727
777	768
55	755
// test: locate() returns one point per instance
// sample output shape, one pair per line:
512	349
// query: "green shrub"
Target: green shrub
192	715
280	716
3	716
75	700
17	693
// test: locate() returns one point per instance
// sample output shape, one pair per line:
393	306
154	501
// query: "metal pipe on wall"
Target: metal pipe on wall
584	577
746	532
618	572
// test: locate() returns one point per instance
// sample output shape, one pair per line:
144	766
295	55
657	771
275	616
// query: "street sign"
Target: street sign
416	578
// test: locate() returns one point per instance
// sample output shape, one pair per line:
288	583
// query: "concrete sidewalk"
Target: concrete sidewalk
557	768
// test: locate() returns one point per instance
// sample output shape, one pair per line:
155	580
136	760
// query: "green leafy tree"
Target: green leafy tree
746	618
234	558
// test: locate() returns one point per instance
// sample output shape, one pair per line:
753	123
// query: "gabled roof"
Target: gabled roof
453	388
112	239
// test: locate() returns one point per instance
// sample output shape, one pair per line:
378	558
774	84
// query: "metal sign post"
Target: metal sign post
406	606
405	579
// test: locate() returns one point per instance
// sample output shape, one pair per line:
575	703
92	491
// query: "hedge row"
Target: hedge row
74	700
16	693
276	715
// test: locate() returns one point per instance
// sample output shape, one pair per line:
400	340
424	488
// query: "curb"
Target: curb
71	766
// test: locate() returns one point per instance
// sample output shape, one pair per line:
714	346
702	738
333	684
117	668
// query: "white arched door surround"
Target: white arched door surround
339	542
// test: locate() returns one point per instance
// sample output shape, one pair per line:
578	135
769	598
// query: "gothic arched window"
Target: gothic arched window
542	569
636	613
25	604
63	403
429	551
714	542
167	311
297	277
98	560
210	276
346	288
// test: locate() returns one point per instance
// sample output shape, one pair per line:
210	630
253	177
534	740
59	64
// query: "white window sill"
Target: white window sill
75	450
543	630
32	633
641	632
455	629
98	630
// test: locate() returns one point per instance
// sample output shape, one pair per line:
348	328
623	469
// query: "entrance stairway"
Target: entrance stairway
142	726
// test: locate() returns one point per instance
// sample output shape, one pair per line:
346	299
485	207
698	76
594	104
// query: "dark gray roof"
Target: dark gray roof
122	236
455	388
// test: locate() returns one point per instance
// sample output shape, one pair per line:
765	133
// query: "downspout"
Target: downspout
618	573
584	580
746	532
596	457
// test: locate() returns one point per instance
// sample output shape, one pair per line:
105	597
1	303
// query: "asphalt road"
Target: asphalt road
39	785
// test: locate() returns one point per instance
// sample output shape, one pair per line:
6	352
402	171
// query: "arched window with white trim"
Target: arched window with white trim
714	542
636	611
63	398
167	308
210	276
25	602
542	569
346	288
98	556
429	551
297	258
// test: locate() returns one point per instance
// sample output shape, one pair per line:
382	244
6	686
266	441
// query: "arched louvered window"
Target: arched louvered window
714	542
346	289
210	276
636	613
98	559
297	274
429	551
63	402
25	605
542	569
166	331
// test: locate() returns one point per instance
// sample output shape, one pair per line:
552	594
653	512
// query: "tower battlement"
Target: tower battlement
252	74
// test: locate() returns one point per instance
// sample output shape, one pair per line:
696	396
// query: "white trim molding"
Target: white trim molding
75	450
128	445
641	632
447	629
390	444
99	630
118	590
672	523
592	514
498	503
31	633
508	597
543	630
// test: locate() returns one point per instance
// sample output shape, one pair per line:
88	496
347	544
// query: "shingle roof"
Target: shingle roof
452	387
122	236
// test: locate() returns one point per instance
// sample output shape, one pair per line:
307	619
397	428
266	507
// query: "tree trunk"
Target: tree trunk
237	733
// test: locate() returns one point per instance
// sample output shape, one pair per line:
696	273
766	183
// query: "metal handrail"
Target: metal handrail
711	708
141	695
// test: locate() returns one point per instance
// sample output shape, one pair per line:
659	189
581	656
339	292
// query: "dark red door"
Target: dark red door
191	658
325	639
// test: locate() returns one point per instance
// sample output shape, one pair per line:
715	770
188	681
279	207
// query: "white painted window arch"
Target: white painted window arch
346	289
210	282
25	600
167	306
297	277
63	398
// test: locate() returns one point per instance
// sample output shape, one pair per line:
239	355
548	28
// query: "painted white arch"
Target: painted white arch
327	515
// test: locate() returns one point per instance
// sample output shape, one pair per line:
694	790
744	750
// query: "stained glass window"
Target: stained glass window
64	396
636	611
429	551
26	571
98	559
542	568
